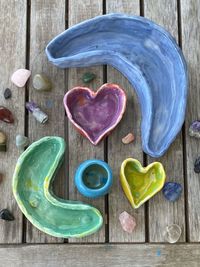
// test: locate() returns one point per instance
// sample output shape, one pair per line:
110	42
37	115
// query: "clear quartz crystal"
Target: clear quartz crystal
172	233
40	115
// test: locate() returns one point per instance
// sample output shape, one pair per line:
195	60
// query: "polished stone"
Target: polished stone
127	221
129	138
41	82
21	141
172	233
6	215
7	93
20	77
88	77
194	129
172	191
6	115
197	165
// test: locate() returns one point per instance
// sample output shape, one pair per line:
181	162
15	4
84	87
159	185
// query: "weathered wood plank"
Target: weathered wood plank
13	57
47	20
155	255
79	148
117	151
162	212
190	14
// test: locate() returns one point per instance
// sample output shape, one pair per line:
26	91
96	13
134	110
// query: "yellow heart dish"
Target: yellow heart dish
140	184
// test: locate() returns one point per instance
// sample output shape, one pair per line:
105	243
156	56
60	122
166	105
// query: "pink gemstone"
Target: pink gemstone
127	221
20	77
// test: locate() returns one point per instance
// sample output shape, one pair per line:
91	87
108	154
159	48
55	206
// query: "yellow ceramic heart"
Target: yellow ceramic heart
140	184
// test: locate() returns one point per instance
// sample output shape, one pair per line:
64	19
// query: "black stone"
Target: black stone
7	93
6	215
197	165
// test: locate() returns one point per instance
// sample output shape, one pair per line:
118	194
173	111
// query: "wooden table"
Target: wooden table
26	28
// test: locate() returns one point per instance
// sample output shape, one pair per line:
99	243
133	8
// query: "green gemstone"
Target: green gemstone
41	82
3	147
88	77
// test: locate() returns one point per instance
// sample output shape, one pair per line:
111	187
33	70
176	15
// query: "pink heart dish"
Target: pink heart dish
95	114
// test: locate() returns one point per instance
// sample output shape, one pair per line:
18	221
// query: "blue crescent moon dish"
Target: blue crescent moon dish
147	55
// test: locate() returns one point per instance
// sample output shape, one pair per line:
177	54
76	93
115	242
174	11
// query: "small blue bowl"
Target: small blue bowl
93	178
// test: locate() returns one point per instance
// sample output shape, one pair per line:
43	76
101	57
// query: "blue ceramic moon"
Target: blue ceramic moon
149	58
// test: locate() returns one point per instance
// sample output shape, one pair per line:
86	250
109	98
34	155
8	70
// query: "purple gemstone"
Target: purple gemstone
194	129
31	106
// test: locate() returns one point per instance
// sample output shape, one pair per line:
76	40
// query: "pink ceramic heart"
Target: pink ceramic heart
95	114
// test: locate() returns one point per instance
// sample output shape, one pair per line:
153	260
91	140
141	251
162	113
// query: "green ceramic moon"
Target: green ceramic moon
32	188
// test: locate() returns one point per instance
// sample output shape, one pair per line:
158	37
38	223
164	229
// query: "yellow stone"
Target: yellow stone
2	138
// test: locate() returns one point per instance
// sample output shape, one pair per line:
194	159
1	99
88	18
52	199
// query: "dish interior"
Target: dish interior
95	176
142	183
95	114
55	219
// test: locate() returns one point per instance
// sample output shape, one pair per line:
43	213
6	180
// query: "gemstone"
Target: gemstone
197	165
6	215
194	129
6	115
3	147
21	141
128	139
7	93
37	112
20	77
2	141
41	82
88	77
172	233
2	138
31	106
127	221
172	191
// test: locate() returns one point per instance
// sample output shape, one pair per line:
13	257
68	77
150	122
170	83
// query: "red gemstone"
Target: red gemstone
6	115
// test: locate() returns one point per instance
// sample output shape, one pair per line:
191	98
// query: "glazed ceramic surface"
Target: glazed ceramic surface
93	178
140	184
95	114
32	188
147	55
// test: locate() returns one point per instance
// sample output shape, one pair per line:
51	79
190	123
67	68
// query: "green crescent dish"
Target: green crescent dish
32	187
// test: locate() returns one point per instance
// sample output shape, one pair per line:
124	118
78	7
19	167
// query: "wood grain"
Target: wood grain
13	57
80	149
190	14
128	255
162	212
117	151
47	20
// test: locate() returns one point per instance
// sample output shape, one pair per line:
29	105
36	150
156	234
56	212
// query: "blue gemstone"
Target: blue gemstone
172	191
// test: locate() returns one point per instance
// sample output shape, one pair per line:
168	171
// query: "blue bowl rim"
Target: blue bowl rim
79	178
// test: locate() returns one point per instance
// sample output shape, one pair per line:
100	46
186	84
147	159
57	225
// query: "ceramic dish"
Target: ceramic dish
93	178
140	184
149	58
32	188
95	114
